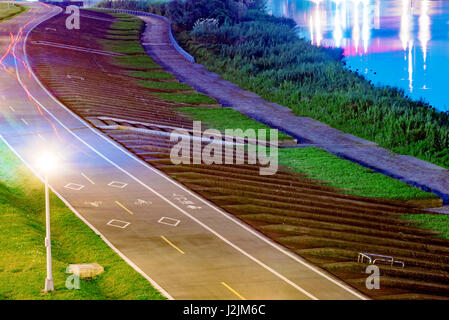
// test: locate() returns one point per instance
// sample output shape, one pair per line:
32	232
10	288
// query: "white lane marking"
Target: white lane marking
118	223
95	204
87	178
57	10
140	202
169	221
69	76
76	48
49	29
74	186
12	109
24	121
41	137
185	201
117	184
96	18
225	214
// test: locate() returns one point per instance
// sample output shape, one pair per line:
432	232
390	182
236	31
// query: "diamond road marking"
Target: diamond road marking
117	184
118	223
169	221
74	186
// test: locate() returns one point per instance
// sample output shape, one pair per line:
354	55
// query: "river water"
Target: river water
403	43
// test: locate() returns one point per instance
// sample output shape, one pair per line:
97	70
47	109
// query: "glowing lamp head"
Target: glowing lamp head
47	162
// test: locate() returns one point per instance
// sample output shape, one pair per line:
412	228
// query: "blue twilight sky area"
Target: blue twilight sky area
403	43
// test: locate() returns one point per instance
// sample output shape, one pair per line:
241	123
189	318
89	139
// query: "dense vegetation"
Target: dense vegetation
263	54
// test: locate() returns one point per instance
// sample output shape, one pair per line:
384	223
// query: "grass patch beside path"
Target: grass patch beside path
23	259
226	118
150	74
317	163
6	14
172	85
353	178
136	62
438	222
190	98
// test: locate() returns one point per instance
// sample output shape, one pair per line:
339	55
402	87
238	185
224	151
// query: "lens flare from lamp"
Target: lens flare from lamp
47	162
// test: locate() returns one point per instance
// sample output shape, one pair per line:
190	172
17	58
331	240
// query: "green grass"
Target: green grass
122	37
150	74
128	26
6	14
122	32
226	118
136	62
165	85
353	178
122	46
437	222
23	259
190	98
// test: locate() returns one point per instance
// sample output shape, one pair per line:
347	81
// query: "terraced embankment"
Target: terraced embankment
316	221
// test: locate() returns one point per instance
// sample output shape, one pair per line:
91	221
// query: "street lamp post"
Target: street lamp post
49	286
47	163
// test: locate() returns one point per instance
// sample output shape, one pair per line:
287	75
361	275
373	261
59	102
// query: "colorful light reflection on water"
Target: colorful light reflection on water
404	43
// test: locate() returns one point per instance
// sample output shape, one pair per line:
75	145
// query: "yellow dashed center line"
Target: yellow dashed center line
233	291
124	208
87	178
170	243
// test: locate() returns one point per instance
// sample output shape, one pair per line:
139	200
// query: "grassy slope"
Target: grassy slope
319	164
226	118
353	178
438	222
22	233
123	37
6	14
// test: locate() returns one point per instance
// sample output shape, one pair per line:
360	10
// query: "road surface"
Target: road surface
185	246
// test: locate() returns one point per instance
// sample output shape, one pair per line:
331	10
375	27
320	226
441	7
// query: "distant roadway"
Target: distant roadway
185	246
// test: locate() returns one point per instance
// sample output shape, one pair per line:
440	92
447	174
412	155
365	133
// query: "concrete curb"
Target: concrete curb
175	44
